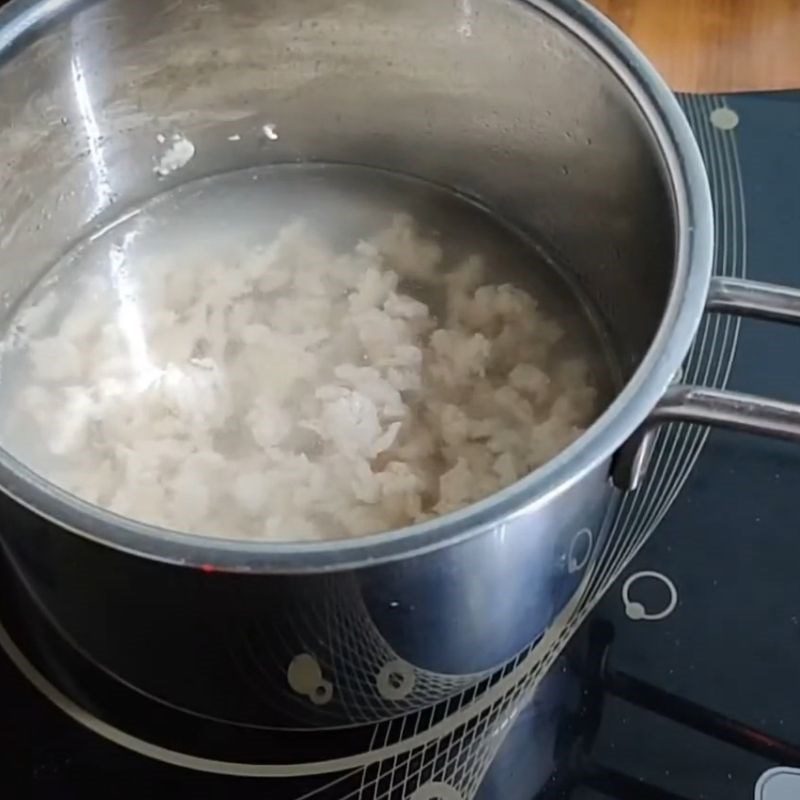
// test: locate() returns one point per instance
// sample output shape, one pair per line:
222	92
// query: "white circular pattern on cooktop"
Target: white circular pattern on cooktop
635	610
724	118
305	678
436	790
580	550
396	680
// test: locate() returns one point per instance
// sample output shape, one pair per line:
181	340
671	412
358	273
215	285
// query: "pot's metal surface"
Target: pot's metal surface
540	109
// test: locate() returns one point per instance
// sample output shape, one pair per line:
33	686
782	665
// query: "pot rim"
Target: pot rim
685	307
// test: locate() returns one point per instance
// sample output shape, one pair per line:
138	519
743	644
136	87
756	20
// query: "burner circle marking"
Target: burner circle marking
396	680
436	790
579	553
635	610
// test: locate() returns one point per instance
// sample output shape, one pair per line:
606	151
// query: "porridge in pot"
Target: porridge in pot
298	354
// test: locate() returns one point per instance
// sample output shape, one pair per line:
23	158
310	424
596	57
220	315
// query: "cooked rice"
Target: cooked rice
304	394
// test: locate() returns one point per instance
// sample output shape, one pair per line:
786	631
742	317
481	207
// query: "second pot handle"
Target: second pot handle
716	407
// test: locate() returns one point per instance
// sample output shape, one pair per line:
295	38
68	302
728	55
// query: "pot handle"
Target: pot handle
716	407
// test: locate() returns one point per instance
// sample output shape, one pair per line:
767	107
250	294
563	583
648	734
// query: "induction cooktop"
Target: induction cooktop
683	682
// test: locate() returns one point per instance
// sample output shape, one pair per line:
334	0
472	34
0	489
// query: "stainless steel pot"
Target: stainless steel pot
538	107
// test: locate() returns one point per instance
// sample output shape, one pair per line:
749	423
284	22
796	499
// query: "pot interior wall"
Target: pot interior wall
491	97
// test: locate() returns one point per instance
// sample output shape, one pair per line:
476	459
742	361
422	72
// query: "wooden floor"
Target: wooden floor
715	45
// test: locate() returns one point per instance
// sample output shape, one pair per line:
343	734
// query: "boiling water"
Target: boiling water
108	281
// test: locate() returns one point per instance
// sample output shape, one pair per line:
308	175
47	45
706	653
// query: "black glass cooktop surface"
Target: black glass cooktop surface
702	702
